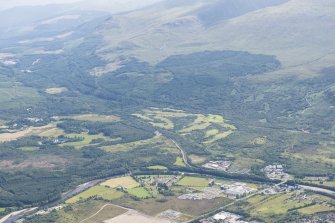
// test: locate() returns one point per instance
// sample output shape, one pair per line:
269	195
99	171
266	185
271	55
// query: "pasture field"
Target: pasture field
103	192
92	211
212	127
55	90
158	167
193	182
29	148
2	209
52	132
86	139
126	182
95	118
7	137
277	204
179	162
197	159
139	192
160	141
315	209
154	206
219	136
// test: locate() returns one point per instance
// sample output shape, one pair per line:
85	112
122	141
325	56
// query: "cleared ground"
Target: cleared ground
56	90
134	216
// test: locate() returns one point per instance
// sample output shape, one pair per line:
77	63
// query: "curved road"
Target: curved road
183	153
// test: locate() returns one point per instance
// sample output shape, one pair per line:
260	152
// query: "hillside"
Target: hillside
92	90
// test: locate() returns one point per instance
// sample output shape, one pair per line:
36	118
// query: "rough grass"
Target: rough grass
193	182
126	182
96	118
98	191
197	159
179	162
139	192
219	136
52	133
158	167
86	139
213	127
29	148
277	204
165	143
6	137
56	90
315	209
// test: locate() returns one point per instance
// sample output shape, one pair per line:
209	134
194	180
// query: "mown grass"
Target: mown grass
103	192
126	182
193	182
86	139
139	192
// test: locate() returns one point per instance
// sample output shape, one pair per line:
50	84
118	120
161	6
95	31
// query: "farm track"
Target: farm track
101	209
183	153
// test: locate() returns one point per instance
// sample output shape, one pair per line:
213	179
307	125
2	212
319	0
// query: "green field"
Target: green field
315	209
158	167
86	139
278	204
126	182
179	162
139	192
29	148
103	192
193	182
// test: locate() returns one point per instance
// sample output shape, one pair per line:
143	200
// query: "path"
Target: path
101	209
183	153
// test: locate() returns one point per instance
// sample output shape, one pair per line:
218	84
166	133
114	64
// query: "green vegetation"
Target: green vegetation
193	182
157	167
139	192
180	162
315	209
29	148
126	182
74	213
102	192
84	140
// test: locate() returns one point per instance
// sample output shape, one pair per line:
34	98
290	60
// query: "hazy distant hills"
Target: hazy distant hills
287	29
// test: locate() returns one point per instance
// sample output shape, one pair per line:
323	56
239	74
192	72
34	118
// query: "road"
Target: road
17	215
183	153
318	189
14	216
238	200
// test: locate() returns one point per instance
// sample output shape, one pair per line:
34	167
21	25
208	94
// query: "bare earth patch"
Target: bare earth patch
7	137
134	216
48	162
55	90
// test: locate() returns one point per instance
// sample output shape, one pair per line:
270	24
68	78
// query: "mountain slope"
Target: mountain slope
288	30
